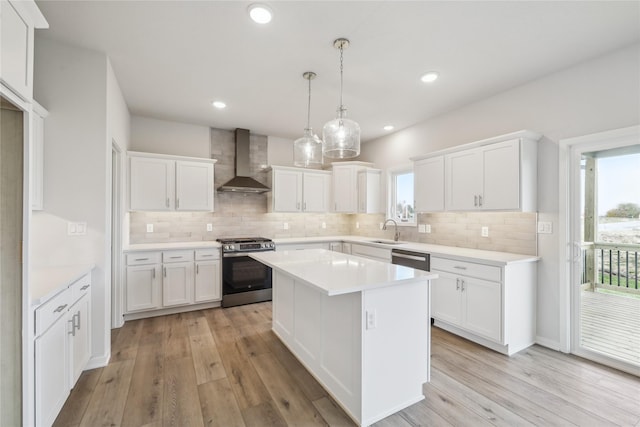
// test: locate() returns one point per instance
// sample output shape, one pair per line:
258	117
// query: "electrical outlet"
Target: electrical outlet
427	228
484	231
285	225
209	227
324	225
149	228
381	225
357	224
371	319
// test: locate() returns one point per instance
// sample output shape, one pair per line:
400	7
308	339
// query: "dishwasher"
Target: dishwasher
417	260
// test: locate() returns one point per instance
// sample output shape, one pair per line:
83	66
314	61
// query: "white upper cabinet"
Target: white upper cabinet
497	174
299	190
18	21
194	186
369	191
345	186
428	184
169	183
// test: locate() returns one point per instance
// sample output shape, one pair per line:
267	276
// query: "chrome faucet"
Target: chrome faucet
396	236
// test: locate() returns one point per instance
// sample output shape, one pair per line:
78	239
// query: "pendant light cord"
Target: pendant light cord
341	67
309	107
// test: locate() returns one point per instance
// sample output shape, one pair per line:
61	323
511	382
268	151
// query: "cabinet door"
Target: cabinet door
177	284
207	281
344	190
287	188
445	298
501	176
15	50
463	180
37	166
482	307
79	320
194	186
316	192
143	287
51	372
428	184
152	184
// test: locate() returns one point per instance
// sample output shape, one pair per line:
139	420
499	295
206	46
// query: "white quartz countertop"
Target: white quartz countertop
170	246
47	282
463	254
336	273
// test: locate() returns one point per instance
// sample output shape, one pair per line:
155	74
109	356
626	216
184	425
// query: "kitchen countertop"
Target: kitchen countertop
499	259
336	273
47	282
210	244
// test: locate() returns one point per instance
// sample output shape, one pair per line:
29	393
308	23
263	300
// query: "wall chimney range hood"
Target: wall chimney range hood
242	182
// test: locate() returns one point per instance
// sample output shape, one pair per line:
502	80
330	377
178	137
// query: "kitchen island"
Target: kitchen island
360	326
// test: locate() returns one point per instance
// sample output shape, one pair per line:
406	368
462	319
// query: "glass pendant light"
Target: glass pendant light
341	135
307	150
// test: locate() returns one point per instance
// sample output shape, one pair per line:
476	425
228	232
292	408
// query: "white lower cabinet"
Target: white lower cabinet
371	252
167	279
62	347
491	305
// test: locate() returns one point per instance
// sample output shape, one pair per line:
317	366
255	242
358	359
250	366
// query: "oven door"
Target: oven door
241	273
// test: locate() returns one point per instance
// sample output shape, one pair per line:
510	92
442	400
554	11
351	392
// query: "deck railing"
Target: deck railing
611	265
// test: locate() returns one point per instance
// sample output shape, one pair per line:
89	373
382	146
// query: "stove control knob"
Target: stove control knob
272	245
231	247
225	247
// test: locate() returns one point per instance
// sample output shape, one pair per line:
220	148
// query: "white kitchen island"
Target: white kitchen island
361	327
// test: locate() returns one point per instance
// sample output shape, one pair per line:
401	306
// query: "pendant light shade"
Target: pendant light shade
341	135
307	150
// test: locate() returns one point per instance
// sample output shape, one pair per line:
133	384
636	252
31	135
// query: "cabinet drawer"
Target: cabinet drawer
463	268
177	256
80	287
141	258
52	310
207	254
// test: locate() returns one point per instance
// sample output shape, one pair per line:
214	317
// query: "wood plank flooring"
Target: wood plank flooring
611	325
224	367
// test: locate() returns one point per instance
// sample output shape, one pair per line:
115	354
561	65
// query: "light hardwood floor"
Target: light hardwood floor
224	367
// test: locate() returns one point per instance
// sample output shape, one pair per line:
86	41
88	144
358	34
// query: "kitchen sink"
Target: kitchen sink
387	242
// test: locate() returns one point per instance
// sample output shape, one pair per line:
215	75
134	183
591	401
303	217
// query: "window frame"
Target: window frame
393	173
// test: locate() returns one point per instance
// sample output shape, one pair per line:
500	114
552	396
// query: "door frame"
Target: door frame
117	294
570	150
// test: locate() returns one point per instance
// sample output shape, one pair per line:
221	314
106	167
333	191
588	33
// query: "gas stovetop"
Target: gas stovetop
246	244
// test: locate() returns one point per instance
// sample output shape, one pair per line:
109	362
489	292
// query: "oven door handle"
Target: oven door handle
239	254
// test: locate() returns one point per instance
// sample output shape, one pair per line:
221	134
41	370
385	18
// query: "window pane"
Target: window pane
402	209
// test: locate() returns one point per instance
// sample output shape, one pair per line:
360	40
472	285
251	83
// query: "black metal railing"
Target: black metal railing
616	265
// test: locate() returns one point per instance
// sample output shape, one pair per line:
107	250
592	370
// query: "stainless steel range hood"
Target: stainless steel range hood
242	182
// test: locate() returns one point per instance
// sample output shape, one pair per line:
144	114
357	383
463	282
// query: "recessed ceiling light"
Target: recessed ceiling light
219	104
388	127
429	77
260	13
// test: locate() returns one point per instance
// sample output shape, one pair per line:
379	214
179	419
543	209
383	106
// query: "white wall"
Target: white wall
165	137
594	96
85	112
279	151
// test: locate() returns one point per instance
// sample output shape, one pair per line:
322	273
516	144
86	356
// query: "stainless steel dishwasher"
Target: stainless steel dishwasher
417	260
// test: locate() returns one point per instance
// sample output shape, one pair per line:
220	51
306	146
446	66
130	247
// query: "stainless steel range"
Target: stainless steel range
245	280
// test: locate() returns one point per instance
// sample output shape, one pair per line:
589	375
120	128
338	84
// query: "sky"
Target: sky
618	181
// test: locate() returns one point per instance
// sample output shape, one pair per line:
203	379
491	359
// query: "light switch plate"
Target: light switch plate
371	319
285	226
422	228
357	224
484	231
427	228
209	227
324	225
149	228
545	227
76	229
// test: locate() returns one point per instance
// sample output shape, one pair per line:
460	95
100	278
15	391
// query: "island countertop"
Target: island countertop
336	273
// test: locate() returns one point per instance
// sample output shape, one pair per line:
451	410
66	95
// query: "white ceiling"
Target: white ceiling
172	58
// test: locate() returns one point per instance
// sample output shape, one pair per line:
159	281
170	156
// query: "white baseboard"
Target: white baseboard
98	362
546	342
